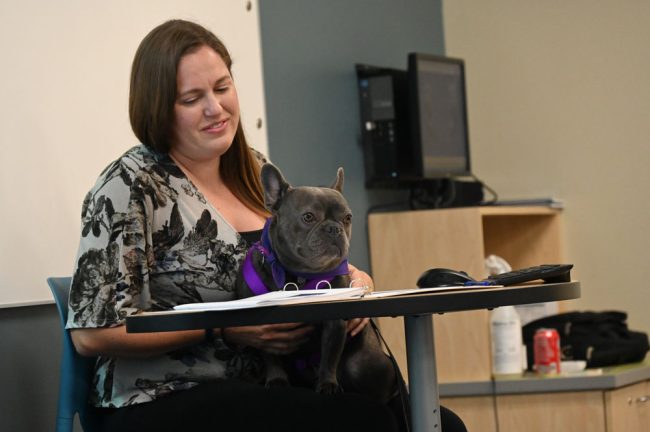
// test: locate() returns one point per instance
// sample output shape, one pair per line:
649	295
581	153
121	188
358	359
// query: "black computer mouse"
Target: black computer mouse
442	277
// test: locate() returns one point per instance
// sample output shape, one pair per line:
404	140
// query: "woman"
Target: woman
168	223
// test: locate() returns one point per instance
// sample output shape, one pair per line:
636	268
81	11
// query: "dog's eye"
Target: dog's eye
347	219
308	217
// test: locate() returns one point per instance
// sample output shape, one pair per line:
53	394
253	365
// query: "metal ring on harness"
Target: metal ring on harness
323	281
284	288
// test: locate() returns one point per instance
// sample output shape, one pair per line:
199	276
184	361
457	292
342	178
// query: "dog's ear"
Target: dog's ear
338	183
274	184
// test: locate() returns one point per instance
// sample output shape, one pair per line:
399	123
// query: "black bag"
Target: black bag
600	338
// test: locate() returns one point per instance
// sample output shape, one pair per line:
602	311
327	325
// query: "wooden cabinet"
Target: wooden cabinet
405	244
618	400
477	412
625	409
543	412
628	408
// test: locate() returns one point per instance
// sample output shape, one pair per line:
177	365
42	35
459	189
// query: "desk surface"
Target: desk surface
408	305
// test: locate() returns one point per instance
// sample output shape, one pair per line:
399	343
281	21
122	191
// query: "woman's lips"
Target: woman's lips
216	126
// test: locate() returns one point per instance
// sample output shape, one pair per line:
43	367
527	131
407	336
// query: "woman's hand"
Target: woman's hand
355	325
360	278
278	339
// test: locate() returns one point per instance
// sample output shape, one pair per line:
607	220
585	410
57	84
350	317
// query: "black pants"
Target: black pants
240	407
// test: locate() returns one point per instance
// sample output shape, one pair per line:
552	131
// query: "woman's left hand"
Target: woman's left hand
355	325
360	278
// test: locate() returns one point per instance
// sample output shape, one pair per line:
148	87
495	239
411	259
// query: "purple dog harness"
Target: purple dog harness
255	282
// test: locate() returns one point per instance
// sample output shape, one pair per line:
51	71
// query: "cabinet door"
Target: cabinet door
402	246
476	412
543	412
628	408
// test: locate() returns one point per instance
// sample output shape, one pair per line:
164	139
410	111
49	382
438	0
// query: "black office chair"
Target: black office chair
76	371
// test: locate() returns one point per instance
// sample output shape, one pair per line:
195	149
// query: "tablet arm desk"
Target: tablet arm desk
417	310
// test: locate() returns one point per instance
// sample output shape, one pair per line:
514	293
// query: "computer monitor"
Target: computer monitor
438	114
414	122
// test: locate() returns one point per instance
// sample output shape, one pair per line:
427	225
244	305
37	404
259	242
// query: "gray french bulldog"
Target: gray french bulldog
306	240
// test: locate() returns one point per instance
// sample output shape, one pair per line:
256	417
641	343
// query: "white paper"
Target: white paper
275	298
416	291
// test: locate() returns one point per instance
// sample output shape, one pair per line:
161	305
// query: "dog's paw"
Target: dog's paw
277	383
328	388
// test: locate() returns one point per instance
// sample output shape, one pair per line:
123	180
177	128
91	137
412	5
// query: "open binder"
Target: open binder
275	298
288	297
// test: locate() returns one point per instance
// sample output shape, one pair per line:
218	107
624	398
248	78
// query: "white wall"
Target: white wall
64	83
559	105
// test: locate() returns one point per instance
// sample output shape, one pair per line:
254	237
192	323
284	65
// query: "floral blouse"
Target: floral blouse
151	241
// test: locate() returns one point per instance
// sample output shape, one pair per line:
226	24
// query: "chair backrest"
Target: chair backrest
76	371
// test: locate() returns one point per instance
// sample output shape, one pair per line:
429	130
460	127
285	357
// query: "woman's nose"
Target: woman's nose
212	106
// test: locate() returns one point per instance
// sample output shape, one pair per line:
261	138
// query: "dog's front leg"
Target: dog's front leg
332	343
276	375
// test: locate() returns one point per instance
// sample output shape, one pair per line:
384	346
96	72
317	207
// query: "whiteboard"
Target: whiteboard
64	82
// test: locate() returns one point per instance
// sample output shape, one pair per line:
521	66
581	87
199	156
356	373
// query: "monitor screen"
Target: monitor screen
439	116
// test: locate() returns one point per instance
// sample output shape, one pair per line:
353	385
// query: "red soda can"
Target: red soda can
547	351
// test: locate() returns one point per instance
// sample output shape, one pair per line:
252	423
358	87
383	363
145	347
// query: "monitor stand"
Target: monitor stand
445	193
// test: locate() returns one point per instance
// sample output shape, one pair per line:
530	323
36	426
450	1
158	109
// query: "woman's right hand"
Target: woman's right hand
277	339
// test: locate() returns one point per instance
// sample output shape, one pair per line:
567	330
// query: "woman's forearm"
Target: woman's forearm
116	342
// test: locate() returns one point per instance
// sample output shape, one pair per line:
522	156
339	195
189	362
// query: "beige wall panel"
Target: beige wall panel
558	101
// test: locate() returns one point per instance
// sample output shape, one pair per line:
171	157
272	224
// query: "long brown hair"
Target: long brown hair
153	95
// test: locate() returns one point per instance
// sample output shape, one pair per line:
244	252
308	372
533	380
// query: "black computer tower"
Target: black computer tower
385	126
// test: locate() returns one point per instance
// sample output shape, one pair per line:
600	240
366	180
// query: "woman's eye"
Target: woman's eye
221	89
308	217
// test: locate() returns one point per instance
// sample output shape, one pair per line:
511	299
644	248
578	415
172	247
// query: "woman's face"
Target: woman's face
206	112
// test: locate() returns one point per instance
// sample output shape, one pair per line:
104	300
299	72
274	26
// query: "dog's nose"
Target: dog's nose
333	230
